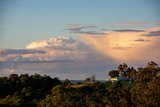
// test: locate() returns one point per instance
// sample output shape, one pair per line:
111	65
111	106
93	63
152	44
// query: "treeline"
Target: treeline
25	90
43	91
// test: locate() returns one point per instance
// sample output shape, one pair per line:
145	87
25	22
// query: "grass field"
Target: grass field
77	85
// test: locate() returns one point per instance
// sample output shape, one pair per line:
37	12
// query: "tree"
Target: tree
152	92
66	82
131	72
24	78
117	96
113	73
145	75
93	78
122	69
87	80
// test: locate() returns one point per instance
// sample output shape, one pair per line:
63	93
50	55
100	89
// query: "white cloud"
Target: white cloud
59	48
59	56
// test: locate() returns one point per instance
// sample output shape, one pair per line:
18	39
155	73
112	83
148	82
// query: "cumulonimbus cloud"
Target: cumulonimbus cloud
123	45
58	49
64	57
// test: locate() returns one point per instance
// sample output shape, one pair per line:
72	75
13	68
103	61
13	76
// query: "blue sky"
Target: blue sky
24	21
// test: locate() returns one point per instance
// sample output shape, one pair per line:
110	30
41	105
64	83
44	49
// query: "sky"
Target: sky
115	31
30	20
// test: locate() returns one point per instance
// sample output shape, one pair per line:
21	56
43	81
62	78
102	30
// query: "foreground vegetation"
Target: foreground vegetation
44	91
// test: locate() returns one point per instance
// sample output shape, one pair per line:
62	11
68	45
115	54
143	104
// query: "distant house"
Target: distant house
114	79
121	79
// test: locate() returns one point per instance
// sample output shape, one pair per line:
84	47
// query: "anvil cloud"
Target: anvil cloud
129	45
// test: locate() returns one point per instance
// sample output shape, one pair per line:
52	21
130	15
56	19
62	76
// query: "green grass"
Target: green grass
77	85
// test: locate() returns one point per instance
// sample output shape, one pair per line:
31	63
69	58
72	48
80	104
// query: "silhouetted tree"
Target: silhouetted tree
113	73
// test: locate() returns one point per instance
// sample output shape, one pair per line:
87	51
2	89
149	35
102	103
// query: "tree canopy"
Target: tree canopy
44	91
